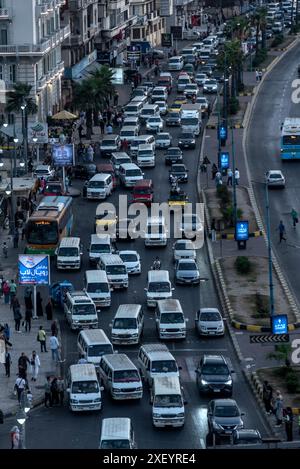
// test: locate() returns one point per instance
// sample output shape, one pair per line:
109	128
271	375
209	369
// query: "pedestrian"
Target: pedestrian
22	365
12	289
16	238
281	229
28	317
39	306
15	305
49	310
15	437
294	216
34	365
20	386
28	298
288	420
5	289
80	129
278	409
267	396
236	176
116	98
213	230
6	332
218	178
260	73
7	363
54	392
54	328
61	390
82	360
48	397
256	75
90	153
102	126
214	171
41	338
5	250
54	346
109	129
229	176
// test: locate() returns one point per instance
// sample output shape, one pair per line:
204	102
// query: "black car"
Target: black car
187	140
84	171
173	118
206	69
173	155
218	75
214	376
178	171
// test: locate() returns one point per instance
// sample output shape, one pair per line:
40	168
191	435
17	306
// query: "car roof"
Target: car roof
209	310
225	402
214	359
127	252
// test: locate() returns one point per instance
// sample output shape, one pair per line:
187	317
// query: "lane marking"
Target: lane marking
202	443
190	365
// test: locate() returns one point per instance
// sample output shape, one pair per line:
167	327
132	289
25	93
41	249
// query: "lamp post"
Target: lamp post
35	141
234	181
25	406
24	133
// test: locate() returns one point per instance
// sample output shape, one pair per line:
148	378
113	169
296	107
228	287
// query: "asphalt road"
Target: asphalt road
59	428
273	105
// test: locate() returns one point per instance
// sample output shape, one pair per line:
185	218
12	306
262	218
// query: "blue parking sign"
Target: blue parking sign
280	324
242	230
34	269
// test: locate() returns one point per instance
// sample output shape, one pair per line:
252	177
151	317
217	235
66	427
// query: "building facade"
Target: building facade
150	25
30	50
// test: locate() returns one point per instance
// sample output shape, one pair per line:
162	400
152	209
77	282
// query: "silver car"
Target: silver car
187	272
209	321
210	86
184	249
275	178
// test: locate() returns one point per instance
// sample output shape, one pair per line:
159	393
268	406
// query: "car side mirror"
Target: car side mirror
110	324
172	288
185	402
180	368
146	289
68	390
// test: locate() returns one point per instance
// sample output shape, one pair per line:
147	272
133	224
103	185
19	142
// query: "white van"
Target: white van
128	324
133	108
99	244
156	360
156	233
69	254
141	140
99	186
167	402
118	158
115	270
149	110
120	377
159	93
97	286
117	433
92	344
80	310
83	389
159	287
146	156
175	63
170	320
130	174
129	132
182	81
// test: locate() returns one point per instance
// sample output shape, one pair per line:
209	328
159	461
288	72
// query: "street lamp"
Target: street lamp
25	406
8	190
24	132
35	140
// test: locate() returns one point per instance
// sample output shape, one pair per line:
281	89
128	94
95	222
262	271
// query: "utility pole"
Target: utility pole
271	286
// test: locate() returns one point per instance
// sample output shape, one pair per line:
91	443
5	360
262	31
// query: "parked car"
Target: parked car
209	321
187	272
173	155
223	417
213	376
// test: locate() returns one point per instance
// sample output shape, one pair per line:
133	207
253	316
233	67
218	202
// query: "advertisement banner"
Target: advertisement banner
63	155
34	269
242	230
166	40
280	324
224	160
176	32
38	130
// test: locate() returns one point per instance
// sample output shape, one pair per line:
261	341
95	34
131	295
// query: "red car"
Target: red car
143	192
107	168
54	188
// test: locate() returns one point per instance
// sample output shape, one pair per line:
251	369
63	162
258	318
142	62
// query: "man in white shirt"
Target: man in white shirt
54	346
236	176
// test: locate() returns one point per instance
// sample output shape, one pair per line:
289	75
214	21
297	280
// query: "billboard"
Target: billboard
224	160
176	32
38	130
166	40
242	230
63	155
280	324
34	269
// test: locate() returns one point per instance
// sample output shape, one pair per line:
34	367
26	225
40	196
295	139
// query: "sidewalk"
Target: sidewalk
24	341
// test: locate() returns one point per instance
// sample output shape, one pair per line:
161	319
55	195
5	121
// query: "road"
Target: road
82	431
263	148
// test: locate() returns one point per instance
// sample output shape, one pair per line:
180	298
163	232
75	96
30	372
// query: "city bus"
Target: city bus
290	139
51	221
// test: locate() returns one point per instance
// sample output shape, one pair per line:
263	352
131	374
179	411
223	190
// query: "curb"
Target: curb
231	236
235	126
250	93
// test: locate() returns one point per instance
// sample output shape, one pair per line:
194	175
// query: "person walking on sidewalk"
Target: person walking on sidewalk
281	229
28	298
41	337
256	75
288	420
116	98
15	306
278	409
16	238
214	171
294	216
229	176
267	396
5	289
54	328
48	398
61	390
54	392
7	363
28	317
54	346
236	176
22	364
12	289
20	386
34	365
6	332
49	310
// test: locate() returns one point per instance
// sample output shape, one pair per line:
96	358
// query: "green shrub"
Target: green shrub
278	39
292	382
260	56
242	265
233	106
228	214
261	305
223	194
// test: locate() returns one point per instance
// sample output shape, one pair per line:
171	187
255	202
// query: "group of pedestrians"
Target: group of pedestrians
54	391
281	227
232	177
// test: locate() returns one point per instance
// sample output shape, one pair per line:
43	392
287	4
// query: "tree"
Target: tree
281	354
19	96
259	22
231	59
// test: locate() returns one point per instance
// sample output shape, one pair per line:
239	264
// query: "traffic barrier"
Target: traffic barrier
239	125
254	234
248	93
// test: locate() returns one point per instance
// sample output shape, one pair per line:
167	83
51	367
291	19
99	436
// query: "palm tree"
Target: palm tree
259	22
19	96
232	59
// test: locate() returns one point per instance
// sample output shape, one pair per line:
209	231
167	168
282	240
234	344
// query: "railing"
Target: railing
5	13
25	48
41	82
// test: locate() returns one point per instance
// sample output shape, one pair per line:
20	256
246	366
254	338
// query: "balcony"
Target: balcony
41	83
110	33
5	14
75	5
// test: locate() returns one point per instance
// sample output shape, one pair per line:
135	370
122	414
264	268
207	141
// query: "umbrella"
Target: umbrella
64	115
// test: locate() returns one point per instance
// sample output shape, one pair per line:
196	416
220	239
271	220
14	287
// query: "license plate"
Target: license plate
212	333
217	390
186	145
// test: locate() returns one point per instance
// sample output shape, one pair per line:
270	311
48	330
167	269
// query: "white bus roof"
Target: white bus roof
169	305
166	385
111	259
94	336
128	311
100	238
119	361
158	276
94	276
117	428
291	125
83	372
69	242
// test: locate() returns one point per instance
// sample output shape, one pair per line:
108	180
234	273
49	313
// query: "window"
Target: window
1	72
155	27
136	33
12	73
3	37
48	28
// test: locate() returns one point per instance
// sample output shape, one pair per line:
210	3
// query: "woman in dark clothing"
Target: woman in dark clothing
28	298
54	328
49	310
39	307
28	317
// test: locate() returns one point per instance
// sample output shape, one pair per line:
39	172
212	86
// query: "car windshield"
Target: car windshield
128	257
133	172
53	188
275	176
163	137
143	153
98	350
191	87
100	248
226	411
115	444
215	369
106	143
116	270
182	246
42	171
210	316
187	266
164	366
98	287
127	133
174	151
210	82
171	400
125	376
68	252
171	318
154	120
83	309
189	121
96	184
124	323
159	287
85	387
142	191
174	114
187	135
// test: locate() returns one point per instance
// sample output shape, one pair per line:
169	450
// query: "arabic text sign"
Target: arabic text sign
34	269
38	130
280	324
242	230
63	155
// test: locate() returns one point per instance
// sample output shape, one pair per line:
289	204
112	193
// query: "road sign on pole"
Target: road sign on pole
269	339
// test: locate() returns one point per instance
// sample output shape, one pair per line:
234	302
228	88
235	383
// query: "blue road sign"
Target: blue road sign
224	160
280	324
34	269
242	230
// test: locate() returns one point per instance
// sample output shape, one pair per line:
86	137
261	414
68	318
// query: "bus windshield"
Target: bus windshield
42	232
291	140
171	400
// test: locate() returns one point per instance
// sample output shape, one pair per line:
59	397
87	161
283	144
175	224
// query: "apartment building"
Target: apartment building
30	50
150	25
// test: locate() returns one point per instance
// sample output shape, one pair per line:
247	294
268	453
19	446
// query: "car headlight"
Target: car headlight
76	321
163	330
156	416
97	400
116	390
240	425
220	327
228	382
74	401
217	426
203	382
134	335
